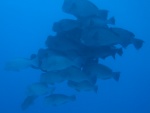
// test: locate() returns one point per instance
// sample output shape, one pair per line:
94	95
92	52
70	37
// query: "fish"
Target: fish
128	38
83	86
55	62
39	89
101	71
97	37
58	99
80	8
33	92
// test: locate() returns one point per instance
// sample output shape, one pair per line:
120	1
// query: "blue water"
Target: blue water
24	27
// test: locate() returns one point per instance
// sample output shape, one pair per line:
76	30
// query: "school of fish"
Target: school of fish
74	53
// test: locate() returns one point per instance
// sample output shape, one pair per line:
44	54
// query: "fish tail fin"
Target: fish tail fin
116	76
73	98
120	51
138	43
96	89
112	21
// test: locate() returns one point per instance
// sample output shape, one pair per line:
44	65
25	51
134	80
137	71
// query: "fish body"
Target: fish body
55	62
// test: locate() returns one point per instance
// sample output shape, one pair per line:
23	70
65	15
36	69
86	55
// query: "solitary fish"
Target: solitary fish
59	99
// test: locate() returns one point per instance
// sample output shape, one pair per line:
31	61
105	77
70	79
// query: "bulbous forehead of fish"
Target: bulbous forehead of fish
80	8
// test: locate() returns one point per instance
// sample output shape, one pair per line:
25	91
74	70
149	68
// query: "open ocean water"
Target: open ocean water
24	27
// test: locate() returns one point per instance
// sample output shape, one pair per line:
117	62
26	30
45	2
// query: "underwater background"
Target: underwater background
24	27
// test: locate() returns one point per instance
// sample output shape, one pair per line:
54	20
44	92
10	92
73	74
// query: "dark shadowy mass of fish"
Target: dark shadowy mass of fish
73	54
